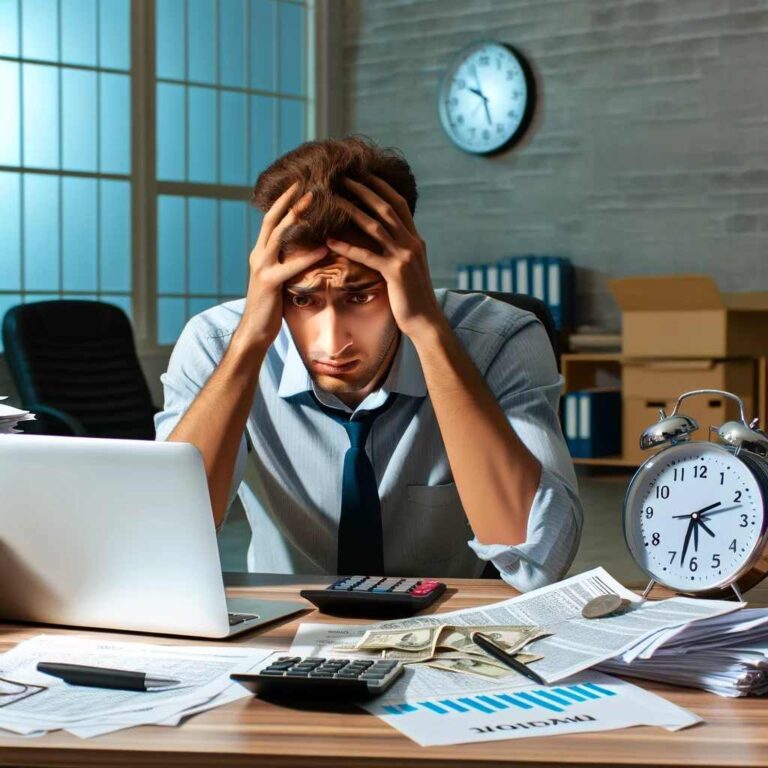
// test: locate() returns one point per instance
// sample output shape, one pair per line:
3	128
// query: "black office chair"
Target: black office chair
75	366
541	310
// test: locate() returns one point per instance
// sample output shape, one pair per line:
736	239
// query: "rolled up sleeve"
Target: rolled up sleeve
524	378
194	358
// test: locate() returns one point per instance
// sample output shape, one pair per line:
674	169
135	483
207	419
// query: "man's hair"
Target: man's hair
319	166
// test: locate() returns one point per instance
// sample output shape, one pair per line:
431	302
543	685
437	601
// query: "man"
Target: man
391	428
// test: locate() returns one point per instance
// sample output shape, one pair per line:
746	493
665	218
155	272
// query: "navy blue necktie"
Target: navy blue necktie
361	540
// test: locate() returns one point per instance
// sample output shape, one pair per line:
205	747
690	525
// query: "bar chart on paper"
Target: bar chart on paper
540	700
585	702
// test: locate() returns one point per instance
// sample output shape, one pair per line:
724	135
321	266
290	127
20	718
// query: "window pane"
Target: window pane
262	130
79	234
78	120
6	302
9	28
199	304
292	46
170	244
202	245
202	26
115	228
115	123
169	18
41	116
32	299
291	124
170	132
262	46
233	138
78	32
10	232
255	217
202	135
41	232
38	27
115	33
124	302
234	250
232	42
10	152
170	319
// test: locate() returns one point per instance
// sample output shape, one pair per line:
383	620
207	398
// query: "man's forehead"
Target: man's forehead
334	271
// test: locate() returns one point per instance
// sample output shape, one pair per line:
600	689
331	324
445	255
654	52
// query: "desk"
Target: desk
256	733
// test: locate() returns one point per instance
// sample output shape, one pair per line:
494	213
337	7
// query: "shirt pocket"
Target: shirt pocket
437	528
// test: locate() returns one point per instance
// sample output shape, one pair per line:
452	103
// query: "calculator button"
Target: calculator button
297	673
272	672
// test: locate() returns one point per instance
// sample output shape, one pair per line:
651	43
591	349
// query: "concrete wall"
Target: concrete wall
649	153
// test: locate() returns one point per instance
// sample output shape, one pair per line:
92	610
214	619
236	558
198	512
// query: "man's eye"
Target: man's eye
300	301
362	298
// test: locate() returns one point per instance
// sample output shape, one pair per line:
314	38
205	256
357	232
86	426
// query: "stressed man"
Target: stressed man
370	423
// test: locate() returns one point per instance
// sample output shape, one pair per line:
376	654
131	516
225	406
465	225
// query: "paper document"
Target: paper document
10	417
586	702
84	711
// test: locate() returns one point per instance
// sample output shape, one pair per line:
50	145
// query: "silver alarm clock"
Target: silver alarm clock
696	513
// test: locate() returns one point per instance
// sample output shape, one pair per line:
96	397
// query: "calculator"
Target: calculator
309	677
375	596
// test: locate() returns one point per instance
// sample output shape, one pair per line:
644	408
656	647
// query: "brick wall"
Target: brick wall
649	153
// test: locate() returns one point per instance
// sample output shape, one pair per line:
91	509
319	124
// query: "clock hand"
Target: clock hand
695	535
687	540
724	509
487	111
700	511
474	90
704	526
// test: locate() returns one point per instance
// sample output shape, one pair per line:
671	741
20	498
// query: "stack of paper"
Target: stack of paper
10	417
86	712
727	655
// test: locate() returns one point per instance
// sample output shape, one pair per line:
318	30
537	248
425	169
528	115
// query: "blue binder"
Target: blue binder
592	422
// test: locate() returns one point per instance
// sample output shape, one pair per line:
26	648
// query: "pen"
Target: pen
485	642
103	677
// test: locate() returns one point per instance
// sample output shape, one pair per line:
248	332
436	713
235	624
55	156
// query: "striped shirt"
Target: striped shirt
290	482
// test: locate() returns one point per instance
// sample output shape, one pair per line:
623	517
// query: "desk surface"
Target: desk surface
256	733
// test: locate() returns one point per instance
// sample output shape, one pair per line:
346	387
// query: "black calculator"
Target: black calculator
375	596
300	678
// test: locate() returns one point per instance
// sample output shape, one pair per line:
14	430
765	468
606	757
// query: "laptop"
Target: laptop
115	534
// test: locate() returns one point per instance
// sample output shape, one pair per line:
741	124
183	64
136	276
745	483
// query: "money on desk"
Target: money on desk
451	648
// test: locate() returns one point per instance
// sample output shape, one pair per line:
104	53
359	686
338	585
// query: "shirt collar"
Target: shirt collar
405	377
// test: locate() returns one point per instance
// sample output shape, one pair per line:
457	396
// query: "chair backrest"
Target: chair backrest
76	360
529	304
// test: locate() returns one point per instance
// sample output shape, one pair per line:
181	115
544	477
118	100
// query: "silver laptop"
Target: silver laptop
115	534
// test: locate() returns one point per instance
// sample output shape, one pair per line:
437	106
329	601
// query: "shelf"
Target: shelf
606	461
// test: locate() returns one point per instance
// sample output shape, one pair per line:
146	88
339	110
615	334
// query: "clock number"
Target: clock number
732	547
700	472
693	565
715	561
722	478
461	83
682	473
648	513
511	74
499	128
737	497
655	539
662	491
744	521
486	135
484	61
672	552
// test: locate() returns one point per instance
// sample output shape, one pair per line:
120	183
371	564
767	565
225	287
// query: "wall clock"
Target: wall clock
487	97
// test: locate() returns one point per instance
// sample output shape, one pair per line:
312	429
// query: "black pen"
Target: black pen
103	677
485	642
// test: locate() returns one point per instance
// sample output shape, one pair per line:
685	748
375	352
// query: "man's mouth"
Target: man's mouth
333	369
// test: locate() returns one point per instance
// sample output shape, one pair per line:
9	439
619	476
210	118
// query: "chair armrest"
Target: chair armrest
70	422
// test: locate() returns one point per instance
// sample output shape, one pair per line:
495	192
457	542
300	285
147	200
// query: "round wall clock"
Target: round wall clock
487	97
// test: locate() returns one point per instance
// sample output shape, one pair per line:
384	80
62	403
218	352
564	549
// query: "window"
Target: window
112	167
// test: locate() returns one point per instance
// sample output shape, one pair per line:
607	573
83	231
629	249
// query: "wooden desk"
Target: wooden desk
256	733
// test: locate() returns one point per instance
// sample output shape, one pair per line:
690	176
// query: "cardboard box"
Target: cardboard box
687	316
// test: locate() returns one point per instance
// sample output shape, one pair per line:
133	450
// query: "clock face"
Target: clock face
487	97
694	517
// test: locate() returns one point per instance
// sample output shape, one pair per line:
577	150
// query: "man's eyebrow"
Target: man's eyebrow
348	288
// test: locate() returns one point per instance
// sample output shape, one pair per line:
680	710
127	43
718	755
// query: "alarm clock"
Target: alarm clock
696	512
486	98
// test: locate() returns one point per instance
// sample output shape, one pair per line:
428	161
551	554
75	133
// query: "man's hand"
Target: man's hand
404	261
264	302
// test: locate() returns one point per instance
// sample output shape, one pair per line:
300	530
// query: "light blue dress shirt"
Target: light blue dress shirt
290	483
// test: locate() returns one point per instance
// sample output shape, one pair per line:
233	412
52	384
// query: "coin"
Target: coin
601	606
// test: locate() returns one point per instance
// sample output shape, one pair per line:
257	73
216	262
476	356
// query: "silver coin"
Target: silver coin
601	606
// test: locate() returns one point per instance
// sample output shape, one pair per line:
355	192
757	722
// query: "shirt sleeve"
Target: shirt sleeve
524	378
193	360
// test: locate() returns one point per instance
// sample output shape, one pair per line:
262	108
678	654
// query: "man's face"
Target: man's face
339	316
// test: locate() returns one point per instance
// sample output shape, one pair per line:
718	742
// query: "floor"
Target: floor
602	542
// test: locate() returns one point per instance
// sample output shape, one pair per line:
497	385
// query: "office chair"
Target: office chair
74	365
541	310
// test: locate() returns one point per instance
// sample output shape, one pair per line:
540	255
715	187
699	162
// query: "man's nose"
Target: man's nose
333	336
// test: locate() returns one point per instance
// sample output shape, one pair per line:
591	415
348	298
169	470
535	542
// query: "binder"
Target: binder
559	290
477	282
521	275
538	278
507	275
492	277
463	273
592	422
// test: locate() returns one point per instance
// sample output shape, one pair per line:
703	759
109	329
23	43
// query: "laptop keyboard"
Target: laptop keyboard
239	618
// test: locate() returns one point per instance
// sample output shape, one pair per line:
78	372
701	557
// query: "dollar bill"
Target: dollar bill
509	638
417	640
471	666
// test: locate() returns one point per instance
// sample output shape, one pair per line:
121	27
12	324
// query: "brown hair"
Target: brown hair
319	166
